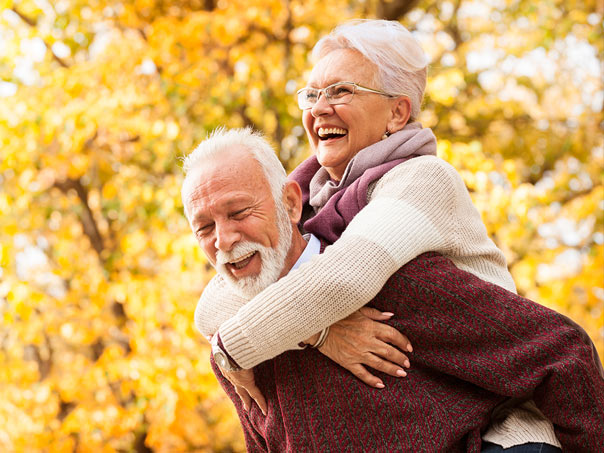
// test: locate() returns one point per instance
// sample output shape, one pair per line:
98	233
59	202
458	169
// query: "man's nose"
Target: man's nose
226	236
321	107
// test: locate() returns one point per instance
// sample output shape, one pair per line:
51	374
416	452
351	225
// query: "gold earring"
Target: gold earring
386	135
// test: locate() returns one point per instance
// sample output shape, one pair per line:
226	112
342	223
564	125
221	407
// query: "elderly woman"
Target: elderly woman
359	110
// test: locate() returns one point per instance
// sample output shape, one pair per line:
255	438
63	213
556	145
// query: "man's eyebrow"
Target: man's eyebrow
200	218
247	201
239	201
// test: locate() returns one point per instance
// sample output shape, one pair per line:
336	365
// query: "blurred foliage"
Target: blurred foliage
99	100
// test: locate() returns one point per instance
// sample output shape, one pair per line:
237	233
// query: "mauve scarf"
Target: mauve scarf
338	202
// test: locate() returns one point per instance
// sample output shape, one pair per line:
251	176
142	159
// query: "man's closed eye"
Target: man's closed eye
241	214
205	229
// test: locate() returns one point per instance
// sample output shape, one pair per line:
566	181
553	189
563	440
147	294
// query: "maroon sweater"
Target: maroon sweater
475	345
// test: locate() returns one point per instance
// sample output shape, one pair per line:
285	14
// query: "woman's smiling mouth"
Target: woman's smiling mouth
325	133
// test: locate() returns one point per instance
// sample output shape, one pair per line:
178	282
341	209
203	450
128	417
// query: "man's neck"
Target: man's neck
295	250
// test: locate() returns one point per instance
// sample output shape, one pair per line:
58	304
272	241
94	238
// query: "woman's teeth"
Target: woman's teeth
331	132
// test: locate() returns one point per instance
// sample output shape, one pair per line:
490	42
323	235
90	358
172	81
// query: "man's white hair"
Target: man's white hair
222	139
400	62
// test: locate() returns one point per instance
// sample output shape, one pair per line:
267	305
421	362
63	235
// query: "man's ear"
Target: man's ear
401	111
292	198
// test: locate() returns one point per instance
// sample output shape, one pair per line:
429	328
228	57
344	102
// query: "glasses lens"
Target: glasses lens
307	97
339	93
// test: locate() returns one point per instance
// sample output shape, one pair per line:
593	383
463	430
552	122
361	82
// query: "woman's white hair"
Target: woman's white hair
222	139
398	57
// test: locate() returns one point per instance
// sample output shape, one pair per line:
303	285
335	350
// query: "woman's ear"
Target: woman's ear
401	111
292	198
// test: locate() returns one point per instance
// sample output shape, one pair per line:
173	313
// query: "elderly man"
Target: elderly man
244	215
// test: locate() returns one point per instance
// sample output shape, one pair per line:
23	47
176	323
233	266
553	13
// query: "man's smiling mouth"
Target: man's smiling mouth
241	262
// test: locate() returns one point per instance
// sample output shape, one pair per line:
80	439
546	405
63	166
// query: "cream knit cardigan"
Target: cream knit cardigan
419	206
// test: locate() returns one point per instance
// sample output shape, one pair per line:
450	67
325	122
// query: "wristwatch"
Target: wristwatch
221	357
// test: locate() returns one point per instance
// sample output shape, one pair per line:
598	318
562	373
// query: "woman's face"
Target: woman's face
353	126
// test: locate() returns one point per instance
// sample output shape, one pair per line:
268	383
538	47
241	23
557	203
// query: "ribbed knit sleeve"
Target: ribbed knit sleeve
426	200
421	205
216	304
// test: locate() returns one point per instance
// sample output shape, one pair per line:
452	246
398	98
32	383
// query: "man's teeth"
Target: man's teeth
325	131
239	262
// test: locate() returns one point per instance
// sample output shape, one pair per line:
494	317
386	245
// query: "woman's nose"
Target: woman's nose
321	107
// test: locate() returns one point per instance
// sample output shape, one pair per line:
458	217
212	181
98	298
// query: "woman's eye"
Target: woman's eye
341	91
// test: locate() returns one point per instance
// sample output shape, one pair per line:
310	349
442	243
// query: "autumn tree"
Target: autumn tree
99	100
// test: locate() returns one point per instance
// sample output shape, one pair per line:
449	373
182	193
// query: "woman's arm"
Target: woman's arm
415	208
217	304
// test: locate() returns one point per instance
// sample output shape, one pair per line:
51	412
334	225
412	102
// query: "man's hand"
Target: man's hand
360	340
245	386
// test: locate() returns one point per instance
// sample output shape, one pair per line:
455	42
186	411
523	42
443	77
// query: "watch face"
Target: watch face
221	359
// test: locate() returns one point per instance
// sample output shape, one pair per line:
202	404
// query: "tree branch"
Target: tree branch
32	23
91	229
24	18
32	352
65	409
209	5
394	10
453	28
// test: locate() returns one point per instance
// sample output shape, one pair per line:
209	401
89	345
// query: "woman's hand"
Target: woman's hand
360	339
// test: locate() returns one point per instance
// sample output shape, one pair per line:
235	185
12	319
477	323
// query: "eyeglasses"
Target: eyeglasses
337	93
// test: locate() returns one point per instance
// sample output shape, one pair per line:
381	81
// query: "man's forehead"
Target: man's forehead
225	176
206	197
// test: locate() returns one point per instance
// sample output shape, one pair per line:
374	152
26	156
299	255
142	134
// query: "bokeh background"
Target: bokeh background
99	101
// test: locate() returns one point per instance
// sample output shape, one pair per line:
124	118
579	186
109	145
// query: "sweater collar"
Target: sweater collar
313	247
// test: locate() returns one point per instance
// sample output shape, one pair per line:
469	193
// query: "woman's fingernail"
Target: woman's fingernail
379	385
401	373
409	347
387	313
406	363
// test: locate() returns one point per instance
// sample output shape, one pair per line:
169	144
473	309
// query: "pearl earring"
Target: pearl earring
386	135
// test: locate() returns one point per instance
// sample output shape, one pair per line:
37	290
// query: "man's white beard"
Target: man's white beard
272	259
